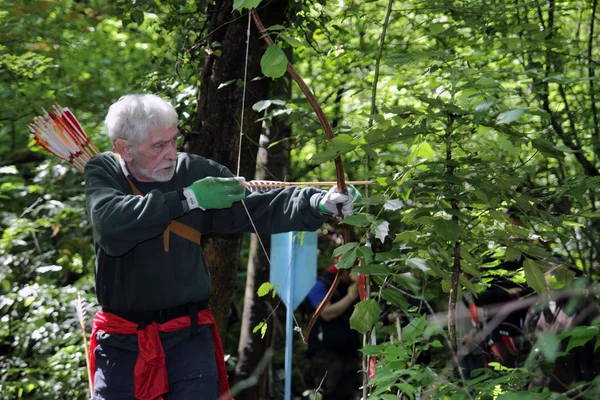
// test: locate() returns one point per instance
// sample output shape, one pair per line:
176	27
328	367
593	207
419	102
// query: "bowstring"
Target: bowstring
239	161
297	325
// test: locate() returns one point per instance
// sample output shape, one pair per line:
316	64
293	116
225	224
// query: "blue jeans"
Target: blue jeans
191	369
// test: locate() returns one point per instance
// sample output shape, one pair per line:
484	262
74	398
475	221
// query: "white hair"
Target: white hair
133	115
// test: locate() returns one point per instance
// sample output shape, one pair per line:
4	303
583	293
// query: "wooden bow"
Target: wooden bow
339	170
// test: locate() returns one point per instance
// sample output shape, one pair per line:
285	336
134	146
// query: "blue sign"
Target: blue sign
293	274
293	265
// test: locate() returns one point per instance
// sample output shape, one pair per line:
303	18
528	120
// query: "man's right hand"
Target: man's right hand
214	193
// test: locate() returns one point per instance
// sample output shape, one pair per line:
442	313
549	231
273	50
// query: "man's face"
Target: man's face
154	160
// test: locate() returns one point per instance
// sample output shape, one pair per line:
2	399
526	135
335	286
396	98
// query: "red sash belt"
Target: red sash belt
150	373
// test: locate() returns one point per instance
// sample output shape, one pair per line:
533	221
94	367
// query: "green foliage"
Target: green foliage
42	347
240	5
274	62
482	110
476	118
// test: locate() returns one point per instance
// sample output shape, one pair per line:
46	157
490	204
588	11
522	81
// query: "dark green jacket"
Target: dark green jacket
133	271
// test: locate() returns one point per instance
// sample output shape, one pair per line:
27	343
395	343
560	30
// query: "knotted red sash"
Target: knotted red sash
150	379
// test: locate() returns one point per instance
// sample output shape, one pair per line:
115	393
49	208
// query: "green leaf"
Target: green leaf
534	276
263	331
414	329
407	236
395	298
512	254
423	150
261	105
547	148
264	289
28	301
508	146
382	229
373	269
365	253
417	263
579	336
509	116
348	259
227	83
409	281
239	5
137	16
548	345
339	145
358	219
564	275
365	315
437	28
519	395
482	107
262	326
343	249
292	41
446	229
274	62
393	205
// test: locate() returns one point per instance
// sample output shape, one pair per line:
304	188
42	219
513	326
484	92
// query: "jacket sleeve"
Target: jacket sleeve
120	220
276	211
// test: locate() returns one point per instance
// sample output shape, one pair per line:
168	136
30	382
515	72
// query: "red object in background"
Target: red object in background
362	293
362	286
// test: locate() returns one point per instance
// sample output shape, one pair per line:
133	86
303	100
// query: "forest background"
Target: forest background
462	112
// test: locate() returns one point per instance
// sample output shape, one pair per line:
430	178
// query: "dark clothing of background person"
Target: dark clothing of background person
332	345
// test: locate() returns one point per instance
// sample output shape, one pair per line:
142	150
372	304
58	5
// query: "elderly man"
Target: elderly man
149	205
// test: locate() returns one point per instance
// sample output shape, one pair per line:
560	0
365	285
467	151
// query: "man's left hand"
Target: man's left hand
339	203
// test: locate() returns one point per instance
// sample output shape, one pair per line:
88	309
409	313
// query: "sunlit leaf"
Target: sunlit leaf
509	116
239	5
264	289
382	229
534	276
417	263
365	315
292	41
393	205
578	336
274	62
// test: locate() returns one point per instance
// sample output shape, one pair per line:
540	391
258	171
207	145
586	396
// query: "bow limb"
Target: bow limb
339	169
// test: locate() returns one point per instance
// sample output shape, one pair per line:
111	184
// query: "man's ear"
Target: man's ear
124	149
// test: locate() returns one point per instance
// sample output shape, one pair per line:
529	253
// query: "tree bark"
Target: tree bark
216	129
272	163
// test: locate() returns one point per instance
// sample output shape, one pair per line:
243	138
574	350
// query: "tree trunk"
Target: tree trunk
272	164
216	131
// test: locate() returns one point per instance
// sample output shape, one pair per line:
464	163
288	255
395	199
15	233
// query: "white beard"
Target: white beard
155	174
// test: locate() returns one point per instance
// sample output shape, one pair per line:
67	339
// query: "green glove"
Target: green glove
214	193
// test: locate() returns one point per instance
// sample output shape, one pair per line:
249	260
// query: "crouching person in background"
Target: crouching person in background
332	345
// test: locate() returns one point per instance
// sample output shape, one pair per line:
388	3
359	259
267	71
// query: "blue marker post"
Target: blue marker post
293	274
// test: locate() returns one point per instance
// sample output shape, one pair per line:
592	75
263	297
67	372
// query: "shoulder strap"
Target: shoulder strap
179	229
